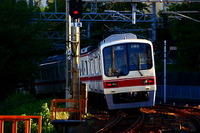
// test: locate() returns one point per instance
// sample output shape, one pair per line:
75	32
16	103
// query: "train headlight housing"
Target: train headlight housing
148	81
111	84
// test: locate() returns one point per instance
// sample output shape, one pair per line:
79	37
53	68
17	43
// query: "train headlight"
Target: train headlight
148	81
111	84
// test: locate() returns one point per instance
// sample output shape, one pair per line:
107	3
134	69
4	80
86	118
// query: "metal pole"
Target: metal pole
55	4
75	83
68	51
30	3
165	69
154	22
134	13
88	29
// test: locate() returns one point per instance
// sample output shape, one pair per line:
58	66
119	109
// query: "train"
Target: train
120	71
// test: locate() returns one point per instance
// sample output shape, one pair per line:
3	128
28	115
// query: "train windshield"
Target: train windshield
122	58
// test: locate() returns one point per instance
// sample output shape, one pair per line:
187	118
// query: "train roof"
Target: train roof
55	58
88	49
116	37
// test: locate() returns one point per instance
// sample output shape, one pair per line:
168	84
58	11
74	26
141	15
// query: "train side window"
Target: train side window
60	71
82	67
49	75
86	67
89	67
45	74
99	62
92	66
57	72
39	75
63	70
96	65
42	74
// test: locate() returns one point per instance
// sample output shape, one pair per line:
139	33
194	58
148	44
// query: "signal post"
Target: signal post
73	24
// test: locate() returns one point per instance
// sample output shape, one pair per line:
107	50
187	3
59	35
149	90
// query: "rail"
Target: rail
16	118
60	112
111	124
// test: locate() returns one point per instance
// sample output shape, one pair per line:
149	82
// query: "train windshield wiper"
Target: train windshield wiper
119	73
139	64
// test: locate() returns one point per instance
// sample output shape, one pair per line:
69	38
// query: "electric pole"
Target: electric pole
73	14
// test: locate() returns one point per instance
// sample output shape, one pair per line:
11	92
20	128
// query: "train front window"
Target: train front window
139	56
122	58
115	60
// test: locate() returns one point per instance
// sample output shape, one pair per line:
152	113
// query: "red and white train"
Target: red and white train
120	71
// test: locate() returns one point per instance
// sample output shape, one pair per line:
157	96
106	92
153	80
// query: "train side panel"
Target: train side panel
91	71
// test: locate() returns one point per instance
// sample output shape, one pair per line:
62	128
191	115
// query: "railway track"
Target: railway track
112	123
154	119
170	119
122	123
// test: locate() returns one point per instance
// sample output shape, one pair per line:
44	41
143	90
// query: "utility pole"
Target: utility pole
30	3
165	70
68	52
75	60
154	23
55	5
73	48
134	13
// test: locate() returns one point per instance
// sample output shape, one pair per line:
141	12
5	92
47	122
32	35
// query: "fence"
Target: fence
62	112
16	118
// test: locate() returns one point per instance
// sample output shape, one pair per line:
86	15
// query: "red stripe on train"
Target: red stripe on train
128	82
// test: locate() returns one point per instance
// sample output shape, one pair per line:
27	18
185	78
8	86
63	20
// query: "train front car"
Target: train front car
128	71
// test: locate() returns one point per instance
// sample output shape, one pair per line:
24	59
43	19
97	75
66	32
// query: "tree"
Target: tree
20	45
183	33
186	33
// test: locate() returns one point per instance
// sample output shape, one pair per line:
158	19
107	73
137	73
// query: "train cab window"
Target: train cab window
115	60
139	56
121	58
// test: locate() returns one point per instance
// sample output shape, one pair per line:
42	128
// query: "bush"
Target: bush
26	104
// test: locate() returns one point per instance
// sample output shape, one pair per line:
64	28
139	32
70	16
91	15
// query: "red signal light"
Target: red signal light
75	8
75	12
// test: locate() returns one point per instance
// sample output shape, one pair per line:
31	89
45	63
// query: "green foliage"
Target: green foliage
26	104
183	33
20	44
186	33
60	6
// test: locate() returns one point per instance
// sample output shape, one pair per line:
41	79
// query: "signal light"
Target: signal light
75	8
75	12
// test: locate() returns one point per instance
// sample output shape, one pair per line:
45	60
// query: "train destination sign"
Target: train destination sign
141	0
